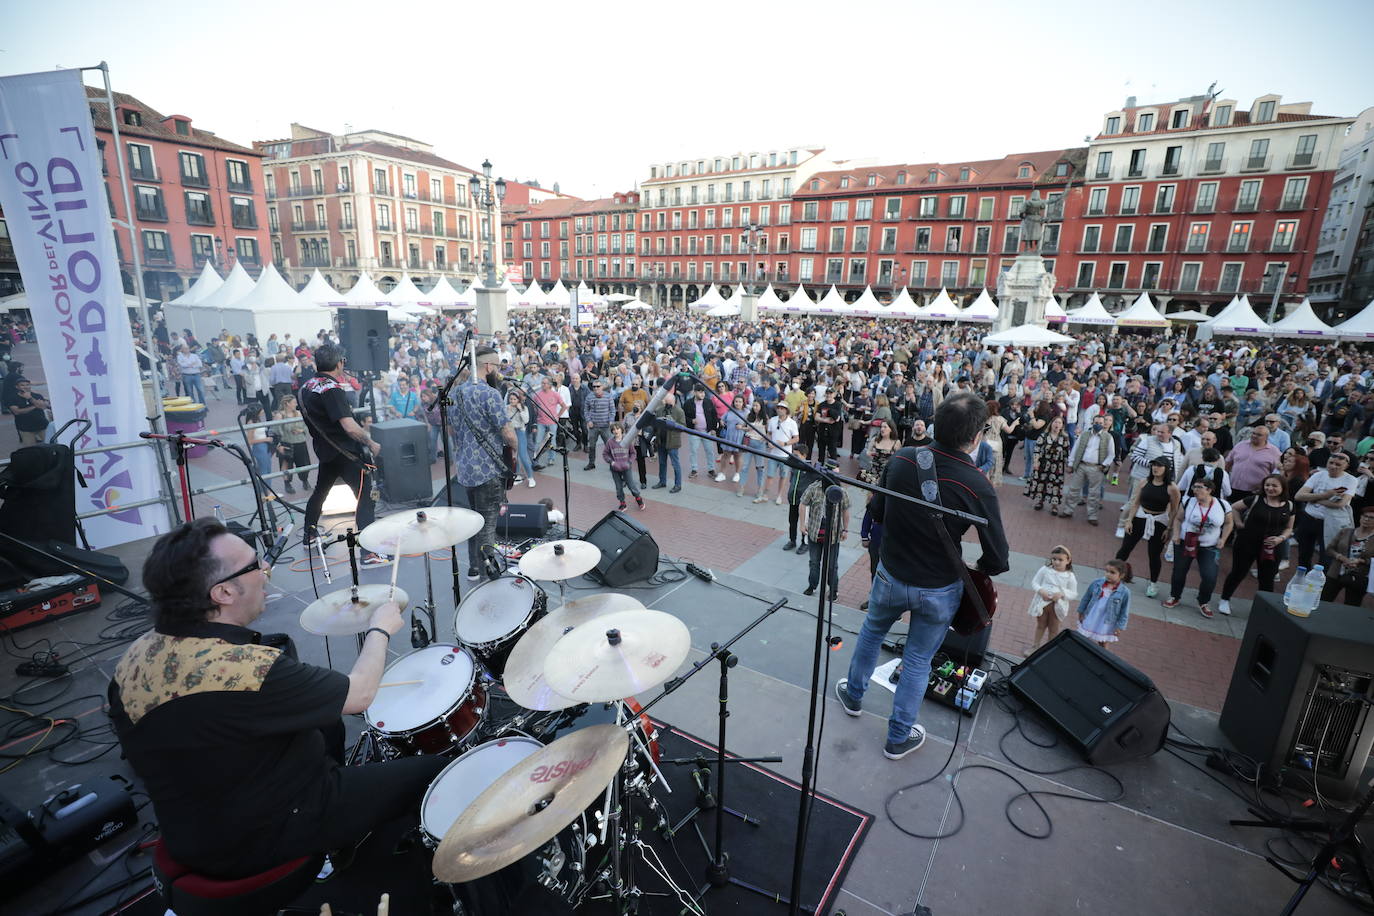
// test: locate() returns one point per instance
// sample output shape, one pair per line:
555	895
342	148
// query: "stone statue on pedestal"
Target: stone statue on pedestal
1032	222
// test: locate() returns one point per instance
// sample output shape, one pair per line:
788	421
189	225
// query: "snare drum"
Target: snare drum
439	714
494	615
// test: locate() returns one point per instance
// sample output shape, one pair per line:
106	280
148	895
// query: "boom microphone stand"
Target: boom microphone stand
563	450
443	403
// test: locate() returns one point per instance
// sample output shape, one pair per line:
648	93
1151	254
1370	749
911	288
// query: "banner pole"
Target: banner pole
156	422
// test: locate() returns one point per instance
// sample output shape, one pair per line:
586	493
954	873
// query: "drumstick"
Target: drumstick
384	906
395	568
400	683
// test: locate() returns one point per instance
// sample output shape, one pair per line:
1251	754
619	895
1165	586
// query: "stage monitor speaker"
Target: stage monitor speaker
1300	693
629	552
404	460
521	520
1108	710
364	334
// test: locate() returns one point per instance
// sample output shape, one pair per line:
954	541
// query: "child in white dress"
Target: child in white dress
1053	587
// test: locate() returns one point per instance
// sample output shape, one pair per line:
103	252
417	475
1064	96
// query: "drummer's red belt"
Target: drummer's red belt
158	668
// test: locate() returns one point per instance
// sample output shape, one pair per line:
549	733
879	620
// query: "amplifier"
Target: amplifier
522	520
25	606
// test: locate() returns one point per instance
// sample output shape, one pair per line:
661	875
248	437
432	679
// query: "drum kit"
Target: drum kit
514	788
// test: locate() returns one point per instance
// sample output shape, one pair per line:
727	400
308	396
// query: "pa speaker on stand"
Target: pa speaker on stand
404	460
364	334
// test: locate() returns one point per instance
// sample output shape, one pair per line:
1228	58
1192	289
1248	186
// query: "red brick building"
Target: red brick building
197	197
574	240
1197	200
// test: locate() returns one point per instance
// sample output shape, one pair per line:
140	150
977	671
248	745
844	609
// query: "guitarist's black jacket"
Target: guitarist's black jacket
911	550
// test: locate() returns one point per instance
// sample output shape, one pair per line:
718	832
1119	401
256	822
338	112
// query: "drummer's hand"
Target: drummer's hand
388	617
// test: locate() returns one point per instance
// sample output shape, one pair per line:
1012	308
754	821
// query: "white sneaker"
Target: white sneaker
719	477
735	479
531	482
1283	564
1224	607
1120	531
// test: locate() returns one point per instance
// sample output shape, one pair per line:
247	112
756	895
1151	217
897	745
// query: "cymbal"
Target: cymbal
336	614
531	803
560	560
420	530
524	674
618	656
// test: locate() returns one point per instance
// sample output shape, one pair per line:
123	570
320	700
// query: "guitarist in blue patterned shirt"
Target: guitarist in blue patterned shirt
483	438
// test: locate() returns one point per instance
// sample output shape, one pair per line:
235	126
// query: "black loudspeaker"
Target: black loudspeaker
629	552
404	460
364	334
1108	710
521	520
1300	693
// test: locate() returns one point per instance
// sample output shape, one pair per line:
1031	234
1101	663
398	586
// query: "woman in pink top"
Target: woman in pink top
550	408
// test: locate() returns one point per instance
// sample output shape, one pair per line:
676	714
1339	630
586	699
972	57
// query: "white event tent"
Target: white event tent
180	312
525	300
557	299
983	309
203	316
708	299
317	291
205	284
902	307
1359	326
1302	322
365	293
768	301
1026	335
941	308
1091	312
1239	319
867	305
1054	313
445	296
832	303
724	310
1141	314
272	307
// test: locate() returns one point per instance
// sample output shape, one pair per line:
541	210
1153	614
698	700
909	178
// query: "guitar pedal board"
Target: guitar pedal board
956	686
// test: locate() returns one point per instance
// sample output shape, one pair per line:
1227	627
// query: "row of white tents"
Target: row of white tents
269	305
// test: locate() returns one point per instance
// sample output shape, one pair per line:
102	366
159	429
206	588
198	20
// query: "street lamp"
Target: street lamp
487	195
1277	280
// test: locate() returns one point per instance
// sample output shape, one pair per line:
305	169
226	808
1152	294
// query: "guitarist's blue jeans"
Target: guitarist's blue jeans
931	611
485	499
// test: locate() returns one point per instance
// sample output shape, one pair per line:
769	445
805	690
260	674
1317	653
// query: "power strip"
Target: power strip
40	669
705	575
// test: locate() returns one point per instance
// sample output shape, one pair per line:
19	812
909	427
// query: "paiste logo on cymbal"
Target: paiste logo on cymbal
561	768
654	659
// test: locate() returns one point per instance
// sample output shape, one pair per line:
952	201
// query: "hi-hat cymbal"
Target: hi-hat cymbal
524	674
558	560
420	530
618	656
531	803
337	614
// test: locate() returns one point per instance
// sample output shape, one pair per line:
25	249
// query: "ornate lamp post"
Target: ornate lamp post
487	195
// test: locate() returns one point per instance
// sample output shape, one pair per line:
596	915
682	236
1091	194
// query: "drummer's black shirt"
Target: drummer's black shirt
226	735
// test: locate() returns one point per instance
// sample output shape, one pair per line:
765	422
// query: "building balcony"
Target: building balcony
200	219
304	190
388	262
194	181
151	214
1280	247
1211	166
1132	210
345	262
386	227
1090	249
1169	170
309	225
1250	205
415	264
240	187
1205	207
1136	172
145	175
6	250
157	256
1255	164
1095	211
1242	247
347	225
252	260
1292	203
1301	161
241	223
1049	247
383	189
315	261
1102	174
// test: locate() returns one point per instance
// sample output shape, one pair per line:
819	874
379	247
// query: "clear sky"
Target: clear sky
589	94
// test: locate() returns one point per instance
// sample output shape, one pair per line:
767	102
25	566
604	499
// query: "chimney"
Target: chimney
1130	101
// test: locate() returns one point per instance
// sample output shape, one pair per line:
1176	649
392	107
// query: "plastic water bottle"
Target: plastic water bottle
1291	601
219	513
1312	589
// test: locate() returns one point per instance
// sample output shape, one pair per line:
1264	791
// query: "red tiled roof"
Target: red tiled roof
981	172
726	172
563	207
1238	119
152	126
419	157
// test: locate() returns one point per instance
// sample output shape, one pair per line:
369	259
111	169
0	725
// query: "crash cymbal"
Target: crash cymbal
420	530
337	614
524	674
617	656
531	803
560	560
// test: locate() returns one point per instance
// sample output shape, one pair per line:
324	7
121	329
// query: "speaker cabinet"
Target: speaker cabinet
629	552
1299	694
521	520
364	333
1107	710
404	460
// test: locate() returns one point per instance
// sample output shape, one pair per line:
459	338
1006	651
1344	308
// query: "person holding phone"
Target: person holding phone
1325	500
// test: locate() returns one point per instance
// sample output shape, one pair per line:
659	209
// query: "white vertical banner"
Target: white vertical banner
53	195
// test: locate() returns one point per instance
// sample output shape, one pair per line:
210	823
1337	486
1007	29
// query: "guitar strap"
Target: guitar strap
930	492
355	450
492	453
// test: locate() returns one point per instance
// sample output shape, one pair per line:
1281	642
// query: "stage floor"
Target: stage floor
1165	846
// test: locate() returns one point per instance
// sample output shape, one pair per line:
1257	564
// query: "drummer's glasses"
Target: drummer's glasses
256	565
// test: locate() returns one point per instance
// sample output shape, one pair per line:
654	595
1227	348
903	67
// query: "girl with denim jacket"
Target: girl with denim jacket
1105	606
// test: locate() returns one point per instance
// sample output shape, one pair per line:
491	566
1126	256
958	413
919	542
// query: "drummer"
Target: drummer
239	745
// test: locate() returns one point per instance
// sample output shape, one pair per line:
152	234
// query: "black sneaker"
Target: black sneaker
590	467
675	490
790	545
693	474
659	486
802	547
915	738
842	694
810	590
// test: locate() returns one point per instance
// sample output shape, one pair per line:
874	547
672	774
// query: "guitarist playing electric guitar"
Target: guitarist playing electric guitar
480	465
344	449
917	571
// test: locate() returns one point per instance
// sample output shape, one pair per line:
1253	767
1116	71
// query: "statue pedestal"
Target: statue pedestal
749	308
491	311
1024	289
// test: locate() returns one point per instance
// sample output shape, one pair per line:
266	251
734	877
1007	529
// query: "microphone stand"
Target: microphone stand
562	450
832	481
442	404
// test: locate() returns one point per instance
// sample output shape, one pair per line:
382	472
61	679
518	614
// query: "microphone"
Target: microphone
418	637
646	416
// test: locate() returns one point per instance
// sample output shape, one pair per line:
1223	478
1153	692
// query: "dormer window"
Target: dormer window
933	175
963	174
1179	119
1113	125
1061	170
1023	172
872	180
1265	110
844	182
133	118
901	177
1222	117
1146	122
815	184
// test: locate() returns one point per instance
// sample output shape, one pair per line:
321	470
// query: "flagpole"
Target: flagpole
155	421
